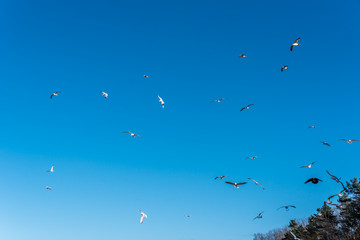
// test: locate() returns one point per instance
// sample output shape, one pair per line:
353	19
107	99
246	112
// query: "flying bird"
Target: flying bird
133	134
218	100
252	158
259	216
161	101
146	76
104	94
221	177
313	180
187	216
247	107
257	183
236	185
51	169
54	94
284	68
349	141
312	127
336	179
295	237
287	207
48	188
295	44
325	143
309	166
143	216
242	56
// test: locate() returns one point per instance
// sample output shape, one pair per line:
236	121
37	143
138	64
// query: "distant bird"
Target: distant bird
247	107
325	143
295	237
51	169
349	141
295	44
257	183
312	127
284	68
242	56
221	177
187	216
48	188
143	216
146	76
236	185
161	101
287	207
218	100
252	158
132	134
309	166
104	94
313	180
259	216
54	94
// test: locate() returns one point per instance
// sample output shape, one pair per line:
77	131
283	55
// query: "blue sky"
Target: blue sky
189	49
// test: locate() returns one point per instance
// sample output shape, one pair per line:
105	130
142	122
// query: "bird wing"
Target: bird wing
312	163
296	40
261	186
242	183
51	96
216	178
250	105
252	180
344	139
291	48
142	218
127	132
308	180
230	183
242	109
292	206
354	140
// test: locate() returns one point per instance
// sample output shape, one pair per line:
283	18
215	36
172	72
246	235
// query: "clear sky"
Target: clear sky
189	49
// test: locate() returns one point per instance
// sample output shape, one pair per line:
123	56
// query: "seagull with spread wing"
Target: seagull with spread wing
221	177
325	143
104	94
51	169
259	216
296	43
313	127
218	100
236	185
48	188
336	179
247	107
295	237
287	207
146	76
309	166
242	56
161	101
284	68
143	216
54	94
349	141
252	158
257	183
133	134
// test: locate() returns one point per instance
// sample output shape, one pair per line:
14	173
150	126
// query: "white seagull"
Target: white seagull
218	100
349	141
295	44
295	237
257	183
252	158
146	76
161	101
48	188
308	166
104	94
236	185
312	126
247	107
143	216
54	94
133	134
284	67
259	216
51	169
242	56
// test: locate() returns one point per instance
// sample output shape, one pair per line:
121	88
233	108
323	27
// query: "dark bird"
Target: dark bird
236	185
295	44
287	207
349	141
313	180
325	143
242	56
54	94
284	68
146	76
247	107
259	216
221	177
336	179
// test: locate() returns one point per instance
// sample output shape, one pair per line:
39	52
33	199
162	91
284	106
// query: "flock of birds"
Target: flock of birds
313	180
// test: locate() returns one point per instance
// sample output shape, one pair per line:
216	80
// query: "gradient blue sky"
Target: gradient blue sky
189	49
